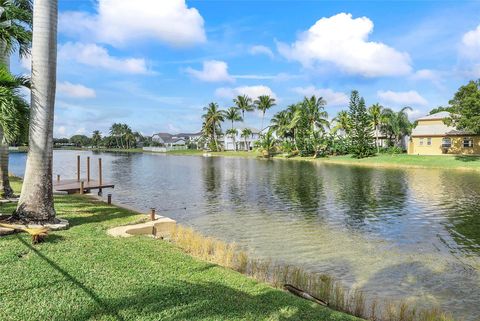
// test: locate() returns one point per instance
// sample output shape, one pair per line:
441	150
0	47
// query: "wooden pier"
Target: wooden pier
79	185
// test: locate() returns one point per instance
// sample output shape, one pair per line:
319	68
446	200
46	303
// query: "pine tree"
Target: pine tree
361	130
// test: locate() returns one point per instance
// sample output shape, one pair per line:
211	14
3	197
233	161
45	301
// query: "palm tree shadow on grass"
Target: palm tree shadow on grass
182	300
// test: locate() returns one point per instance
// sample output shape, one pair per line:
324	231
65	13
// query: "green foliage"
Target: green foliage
244	104
465	107
211	128
16	17
14	109
267	144
440	109
264	103
361	130
80	140
233	114
396	125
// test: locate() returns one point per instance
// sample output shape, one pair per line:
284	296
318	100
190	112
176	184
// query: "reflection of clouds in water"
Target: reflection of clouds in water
395	233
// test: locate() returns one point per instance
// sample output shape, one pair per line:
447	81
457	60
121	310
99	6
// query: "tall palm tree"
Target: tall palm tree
396	124
96	138
244	104
212	118
36	199
281	123
232	114
246	132
264	103
15	34
342	122
315	113
116	131
233	132
375	112
13	121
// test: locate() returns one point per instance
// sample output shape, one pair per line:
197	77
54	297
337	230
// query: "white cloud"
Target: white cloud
343	42
402	98
471	44
60	131
251	91
75	90
428	75
333	98
213	71
97	56
118	22
26	62
261	50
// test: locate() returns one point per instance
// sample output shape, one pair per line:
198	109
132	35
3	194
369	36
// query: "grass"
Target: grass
324	287
83	274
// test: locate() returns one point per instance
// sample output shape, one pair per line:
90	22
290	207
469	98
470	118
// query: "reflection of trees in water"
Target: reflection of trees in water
212	177
364	193
298	184
462	192
122	167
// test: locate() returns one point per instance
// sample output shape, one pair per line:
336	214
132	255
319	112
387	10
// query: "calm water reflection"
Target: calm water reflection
394	233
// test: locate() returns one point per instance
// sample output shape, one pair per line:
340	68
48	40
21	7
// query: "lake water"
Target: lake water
395	233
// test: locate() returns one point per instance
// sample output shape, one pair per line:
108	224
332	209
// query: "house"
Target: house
433	137
240	143
176	141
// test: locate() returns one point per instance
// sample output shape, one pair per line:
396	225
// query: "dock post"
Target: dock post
109	199
152	214
100	180
82	187
58	178
78	168
88	169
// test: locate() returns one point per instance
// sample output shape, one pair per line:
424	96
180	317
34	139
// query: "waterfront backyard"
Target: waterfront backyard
399	234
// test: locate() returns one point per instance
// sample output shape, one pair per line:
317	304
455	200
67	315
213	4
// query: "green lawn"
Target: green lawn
404	160
83	274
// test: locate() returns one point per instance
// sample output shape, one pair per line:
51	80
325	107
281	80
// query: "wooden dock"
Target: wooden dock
79	185
72	186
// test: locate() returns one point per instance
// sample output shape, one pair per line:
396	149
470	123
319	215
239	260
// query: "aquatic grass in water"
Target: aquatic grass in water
321	286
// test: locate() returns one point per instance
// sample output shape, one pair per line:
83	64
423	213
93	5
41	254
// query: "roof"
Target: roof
436	116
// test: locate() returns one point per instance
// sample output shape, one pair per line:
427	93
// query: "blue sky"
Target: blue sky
154	64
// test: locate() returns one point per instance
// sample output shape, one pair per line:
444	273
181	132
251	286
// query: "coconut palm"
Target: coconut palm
36	200
233	132
96	138
246	132
375	112
342	122
232	114
281	123
212	118
264	103
116	131
15	23
13	121
244	104
314	111
15	34
267	144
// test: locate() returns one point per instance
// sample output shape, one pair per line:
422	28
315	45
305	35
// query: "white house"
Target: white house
242	143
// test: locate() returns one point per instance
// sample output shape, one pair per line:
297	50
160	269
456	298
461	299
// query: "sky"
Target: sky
154	64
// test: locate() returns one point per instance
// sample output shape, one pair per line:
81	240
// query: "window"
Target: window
421	142
429	141
467	142
447	142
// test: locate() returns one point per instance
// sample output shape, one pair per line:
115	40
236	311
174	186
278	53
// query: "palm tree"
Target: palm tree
315	113
15	24
233	132
281	123
244	103
342	122
396	124
375	112
267	144
212	118
13	121
96	138
233	115
36	200
246	132
263	104
116	131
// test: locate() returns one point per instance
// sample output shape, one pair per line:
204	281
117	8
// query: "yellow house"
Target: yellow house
433	137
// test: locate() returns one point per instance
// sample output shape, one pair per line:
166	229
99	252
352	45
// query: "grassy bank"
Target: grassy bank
82	274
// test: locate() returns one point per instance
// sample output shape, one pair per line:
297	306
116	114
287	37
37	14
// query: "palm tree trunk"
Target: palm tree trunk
36	200
6	190
376	139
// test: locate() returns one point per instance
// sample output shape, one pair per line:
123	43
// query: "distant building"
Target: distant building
433	137
240	143
175	141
